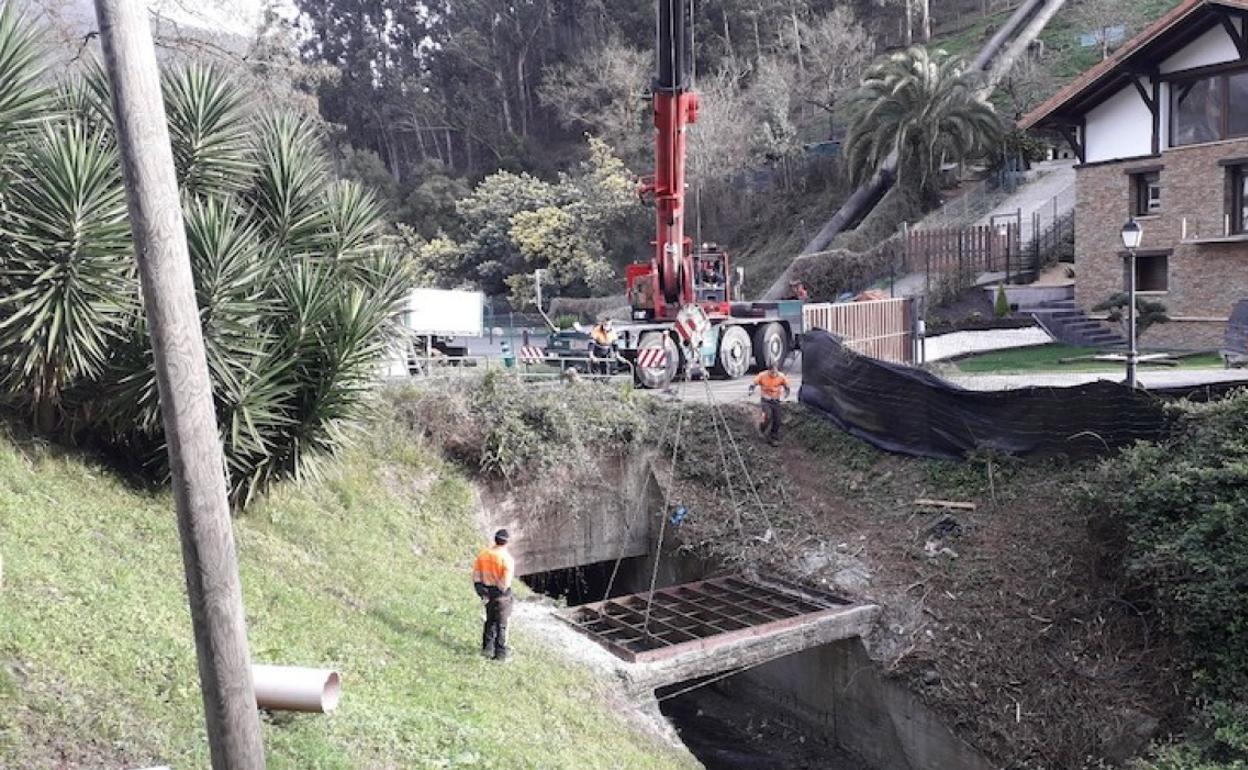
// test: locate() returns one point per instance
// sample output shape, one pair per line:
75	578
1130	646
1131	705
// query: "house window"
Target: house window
1152	272
1196	111
1238	199
1208	109
1146	193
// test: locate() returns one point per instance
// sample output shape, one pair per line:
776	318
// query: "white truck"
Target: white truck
434	319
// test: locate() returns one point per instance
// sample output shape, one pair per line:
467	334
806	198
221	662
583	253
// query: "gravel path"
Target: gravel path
946	346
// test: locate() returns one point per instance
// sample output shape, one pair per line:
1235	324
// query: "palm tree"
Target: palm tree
922	106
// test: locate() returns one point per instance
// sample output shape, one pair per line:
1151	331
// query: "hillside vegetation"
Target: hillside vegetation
363	571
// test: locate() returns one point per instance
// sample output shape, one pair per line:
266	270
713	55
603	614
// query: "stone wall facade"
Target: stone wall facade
1205	279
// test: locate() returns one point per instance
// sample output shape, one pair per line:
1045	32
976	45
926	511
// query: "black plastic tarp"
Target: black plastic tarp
911	411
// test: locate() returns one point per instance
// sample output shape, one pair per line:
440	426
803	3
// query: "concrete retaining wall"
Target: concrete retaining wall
839	689
596	520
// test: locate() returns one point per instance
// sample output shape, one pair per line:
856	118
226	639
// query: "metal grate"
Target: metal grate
698	616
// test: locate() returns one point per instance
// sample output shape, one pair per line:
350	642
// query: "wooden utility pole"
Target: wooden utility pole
186	406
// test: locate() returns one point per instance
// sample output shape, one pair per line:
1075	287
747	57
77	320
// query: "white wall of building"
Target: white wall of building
1119	127
1213	47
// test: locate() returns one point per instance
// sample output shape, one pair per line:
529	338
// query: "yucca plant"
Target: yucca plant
208	129
923	105
289	187
297	294
23	96
68	277
352	220
87	97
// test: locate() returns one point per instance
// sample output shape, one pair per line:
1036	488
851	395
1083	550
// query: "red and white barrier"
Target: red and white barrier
652	358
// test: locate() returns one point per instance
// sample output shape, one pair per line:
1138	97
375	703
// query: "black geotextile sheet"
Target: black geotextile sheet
902	409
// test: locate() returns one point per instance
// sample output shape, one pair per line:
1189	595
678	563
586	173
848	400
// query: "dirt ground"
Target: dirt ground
1007	619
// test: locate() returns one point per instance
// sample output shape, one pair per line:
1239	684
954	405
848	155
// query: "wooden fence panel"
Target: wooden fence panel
966	250
882	329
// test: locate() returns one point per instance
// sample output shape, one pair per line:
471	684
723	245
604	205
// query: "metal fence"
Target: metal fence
883	329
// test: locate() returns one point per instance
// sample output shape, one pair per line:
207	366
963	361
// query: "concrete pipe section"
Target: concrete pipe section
294	688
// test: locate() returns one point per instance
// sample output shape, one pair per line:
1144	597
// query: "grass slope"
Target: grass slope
364	571
1049	358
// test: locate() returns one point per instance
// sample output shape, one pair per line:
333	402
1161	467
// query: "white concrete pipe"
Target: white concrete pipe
294	688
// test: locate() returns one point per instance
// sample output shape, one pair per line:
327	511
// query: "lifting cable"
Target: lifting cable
667	500
628	525
717	412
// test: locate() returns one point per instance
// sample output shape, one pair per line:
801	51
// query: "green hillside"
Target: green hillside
364	570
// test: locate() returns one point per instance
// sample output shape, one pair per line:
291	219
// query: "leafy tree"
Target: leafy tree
517	223
838	51
923	106
1099	17
601	93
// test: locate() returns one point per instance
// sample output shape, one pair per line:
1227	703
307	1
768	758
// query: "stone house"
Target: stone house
1161	133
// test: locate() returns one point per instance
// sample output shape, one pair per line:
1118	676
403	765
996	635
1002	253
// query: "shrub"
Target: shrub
1002	307
1183	508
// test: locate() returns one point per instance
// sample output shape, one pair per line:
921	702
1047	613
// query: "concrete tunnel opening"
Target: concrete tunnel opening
587	583
727	724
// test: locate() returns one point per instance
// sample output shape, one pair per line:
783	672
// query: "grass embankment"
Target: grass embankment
363	571
1049	358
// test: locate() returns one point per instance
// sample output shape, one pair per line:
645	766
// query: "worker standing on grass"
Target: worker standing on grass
775	389
491	577
602	340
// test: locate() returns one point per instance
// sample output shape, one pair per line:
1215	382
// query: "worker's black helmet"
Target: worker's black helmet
501	537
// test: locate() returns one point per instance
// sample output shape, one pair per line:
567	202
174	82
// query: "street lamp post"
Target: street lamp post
1131	235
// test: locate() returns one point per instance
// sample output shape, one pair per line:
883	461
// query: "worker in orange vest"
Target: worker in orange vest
492	574
775	388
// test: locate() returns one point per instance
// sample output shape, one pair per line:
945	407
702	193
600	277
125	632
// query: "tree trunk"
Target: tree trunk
797	40
192	440
732	56
523	92
926	18
909	22
758	38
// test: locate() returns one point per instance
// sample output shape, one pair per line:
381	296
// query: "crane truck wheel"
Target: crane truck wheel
657	379
736	352
771	344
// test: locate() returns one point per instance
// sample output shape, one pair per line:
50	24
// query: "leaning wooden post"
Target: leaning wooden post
186	406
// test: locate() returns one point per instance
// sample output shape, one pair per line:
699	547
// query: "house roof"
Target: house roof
1176	29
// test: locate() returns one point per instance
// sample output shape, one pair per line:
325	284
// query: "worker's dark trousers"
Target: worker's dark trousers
494	637
600	358
771	409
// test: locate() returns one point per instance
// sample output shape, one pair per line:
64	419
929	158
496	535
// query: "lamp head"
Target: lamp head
1132	233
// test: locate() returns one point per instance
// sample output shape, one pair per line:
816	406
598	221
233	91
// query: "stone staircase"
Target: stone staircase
1067	322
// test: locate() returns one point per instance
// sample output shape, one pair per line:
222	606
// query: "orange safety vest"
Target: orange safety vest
773	385
494	567
602	336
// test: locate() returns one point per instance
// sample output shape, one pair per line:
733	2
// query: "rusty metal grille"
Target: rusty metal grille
699	615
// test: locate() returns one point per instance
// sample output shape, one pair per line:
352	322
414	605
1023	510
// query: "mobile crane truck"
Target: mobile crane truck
683	287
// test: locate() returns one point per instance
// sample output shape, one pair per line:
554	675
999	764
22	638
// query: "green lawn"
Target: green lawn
1047	358
364	571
